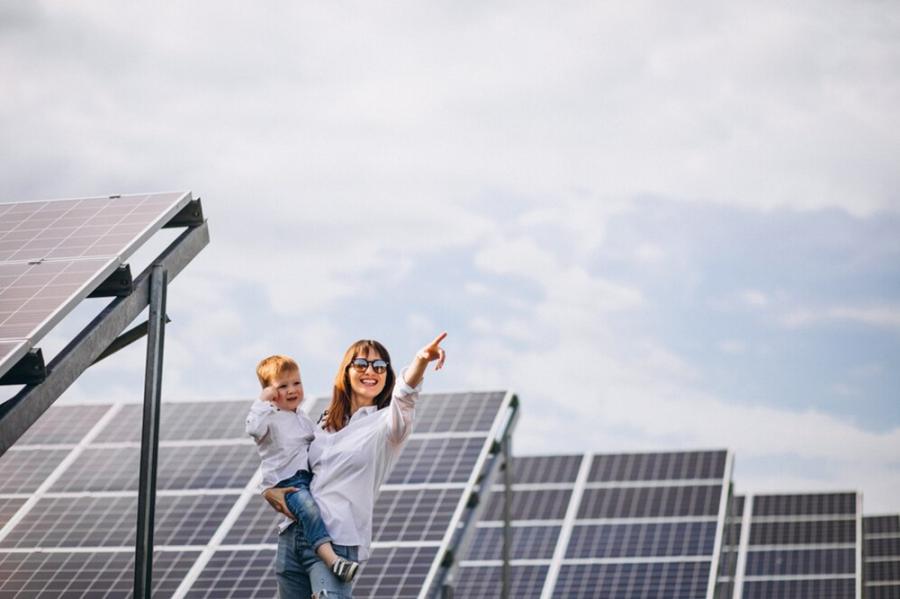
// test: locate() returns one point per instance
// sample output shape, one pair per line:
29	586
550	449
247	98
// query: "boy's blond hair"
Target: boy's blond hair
274	366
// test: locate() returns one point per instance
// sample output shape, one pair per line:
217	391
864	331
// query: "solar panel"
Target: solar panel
64	425
53	254
181	421
882	556
214	537
24	471
800	545
104	521
620	525
526	581
48	575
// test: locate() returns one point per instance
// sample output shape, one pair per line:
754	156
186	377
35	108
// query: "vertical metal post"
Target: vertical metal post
143	555
507	508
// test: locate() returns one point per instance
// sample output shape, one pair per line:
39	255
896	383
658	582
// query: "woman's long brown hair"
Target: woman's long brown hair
338	413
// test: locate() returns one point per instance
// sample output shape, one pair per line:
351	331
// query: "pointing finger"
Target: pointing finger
438	339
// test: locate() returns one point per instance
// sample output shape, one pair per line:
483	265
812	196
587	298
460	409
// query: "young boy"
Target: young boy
283	434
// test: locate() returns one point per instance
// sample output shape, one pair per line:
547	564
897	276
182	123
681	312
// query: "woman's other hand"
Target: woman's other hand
275	496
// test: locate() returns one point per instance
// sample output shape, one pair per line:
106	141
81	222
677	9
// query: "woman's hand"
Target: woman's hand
431	352
275	496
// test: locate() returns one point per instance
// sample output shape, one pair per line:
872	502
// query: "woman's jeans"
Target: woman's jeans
301	574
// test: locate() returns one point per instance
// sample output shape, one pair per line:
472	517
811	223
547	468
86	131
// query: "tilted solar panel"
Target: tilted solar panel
53	254
619	525
68	501
800	545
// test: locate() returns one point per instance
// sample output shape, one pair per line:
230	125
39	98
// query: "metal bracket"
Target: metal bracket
118	284
29	370
189	216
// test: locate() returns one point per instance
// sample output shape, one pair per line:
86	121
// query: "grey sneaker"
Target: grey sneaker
345	569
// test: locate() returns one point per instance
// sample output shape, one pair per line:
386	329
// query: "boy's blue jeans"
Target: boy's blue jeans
304	508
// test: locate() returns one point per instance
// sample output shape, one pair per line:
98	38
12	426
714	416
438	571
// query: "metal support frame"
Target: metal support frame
477	502
22	410
143	555
507	516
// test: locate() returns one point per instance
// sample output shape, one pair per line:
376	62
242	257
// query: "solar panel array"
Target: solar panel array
55	253
796	546
622	525
68	501
881	537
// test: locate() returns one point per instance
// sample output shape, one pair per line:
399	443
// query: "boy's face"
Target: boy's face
288	390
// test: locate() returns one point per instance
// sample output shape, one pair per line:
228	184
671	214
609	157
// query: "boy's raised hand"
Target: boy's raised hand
268	394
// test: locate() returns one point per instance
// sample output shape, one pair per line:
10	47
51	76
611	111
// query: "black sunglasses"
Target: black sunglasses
361	365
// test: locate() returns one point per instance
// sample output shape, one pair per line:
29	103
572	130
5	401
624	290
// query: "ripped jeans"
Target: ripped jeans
300	572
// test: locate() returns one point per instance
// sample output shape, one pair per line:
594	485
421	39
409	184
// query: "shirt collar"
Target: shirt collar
363	412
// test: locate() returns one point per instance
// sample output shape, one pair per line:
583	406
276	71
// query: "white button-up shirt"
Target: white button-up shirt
349	466
282	441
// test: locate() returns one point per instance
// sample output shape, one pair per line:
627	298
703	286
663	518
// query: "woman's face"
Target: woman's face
366	385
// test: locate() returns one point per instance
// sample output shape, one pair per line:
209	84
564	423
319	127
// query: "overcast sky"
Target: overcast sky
664	225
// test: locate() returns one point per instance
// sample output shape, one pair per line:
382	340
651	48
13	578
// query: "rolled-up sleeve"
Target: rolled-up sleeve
402	410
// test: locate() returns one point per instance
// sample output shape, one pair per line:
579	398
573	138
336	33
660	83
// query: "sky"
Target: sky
663	226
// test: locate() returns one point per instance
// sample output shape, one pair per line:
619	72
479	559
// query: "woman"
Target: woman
360	436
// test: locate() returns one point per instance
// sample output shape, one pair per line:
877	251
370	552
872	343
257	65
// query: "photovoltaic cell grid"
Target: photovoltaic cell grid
621	525
54	253
881	535
205	472
52	575
800	545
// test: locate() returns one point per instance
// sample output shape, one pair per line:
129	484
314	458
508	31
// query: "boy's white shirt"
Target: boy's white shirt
349	466
282	440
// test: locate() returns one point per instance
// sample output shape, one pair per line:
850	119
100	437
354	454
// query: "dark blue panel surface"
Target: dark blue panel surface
803	533
246	574
543	504
805	504
528	542
650	502
210	467
671	539
670	580
784	562
436	461
526	582
800	589
658	466
82	575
